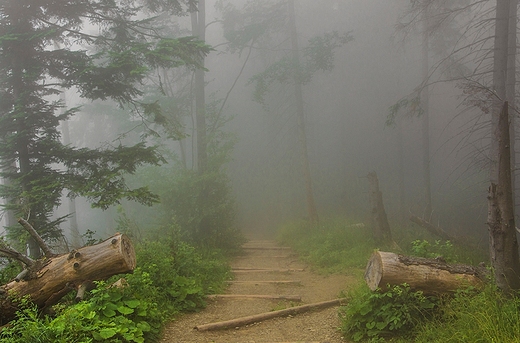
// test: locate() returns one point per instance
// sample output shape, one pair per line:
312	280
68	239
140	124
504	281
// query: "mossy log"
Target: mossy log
56	276
432	276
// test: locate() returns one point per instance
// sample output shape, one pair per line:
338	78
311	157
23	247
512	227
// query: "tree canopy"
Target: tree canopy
102	49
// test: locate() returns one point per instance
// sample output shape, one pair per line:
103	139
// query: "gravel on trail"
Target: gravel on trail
317	326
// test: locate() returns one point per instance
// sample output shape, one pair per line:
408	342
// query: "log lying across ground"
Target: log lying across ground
57	275
268	315
432	276
266	282
257	296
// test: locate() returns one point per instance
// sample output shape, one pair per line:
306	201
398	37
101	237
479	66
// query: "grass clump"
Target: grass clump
333	246
485	316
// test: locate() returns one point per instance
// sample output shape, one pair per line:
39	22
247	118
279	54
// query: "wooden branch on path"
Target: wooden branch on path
265	248
257	296
256	270
268	315
266	282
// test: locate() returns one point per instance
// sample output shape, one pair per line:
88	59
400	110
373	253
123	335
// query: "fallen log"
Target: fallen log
249	270
233	323
432	276
256	296
260	247
57	275
265	282
436	230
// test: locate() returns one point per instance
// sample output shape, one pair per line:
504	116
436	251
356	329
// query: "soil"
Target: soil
315	326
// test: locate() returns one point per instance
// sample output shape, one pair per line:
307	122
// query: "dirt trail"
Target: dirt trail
317	326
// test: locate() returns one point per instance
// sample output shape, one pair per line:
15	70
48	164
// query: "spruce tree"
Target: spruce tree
104	50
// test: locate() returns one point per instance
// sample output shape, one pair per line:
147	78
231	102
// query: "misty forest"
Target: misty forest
149	147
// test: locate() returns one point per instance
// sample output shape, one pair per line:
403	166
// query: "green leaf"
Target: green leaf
107	333
132	303
109	313
125	310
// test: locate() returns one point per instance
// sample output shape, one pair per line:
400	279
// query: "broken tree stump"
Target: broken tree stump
58	275
268	315
380	226
432	276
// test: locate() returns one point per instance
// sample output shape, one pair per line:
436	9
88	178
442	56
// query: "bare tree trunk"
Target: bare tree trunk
425	106
380	225
501	221
500	60
73	222
300	115
198	22
511	90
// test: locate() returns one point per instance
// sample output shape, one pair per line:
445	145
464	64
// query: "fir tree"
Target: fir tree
110	63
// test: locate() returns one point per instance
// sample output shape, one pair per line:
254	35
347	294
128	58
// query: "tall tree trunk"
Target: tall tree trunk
510	92
198	26
501	220
500	59
24	163
425	104
300	115
71	202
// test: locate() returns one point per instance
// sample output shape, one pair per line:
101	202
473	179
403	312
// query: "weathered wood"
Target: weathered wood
60	274
28	227
503	244
433	229
263	270
266	282
380	225
257	296
265	248
268	315
432	276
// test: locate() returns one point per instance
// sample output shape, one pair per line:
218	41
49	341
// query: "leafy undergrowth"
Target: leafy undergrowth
401	314
375	315
171	277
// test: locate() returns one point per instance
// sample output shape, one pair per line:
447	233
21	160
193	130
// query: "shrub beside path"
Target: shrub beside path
278	273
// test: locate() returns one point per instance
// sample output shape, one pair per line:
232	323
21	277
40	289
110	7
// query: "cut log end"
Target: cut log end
127	251
432	276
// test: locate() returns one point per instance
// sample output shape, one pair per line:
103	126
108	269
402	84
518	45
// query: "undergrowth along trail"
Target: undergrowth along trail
265	269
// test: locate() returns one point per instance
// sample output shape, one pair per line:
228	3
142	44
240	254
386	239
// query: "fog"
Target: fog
346	112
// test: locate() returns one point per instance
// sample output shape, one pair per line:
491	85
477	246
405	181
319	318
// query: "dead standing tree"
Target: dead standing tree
501	220
47	280
380	226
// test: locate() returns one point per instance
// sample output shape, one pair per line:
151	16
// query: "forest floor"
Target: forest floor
318	326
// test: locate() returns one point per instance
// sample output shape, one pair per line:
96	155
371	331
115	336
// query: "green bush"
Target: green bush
171	277
485	316
373	315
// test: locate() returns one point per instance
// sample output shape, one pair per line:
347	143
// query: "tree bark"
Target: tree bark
501	220
500	61
267	315
58	275
380	225
256	296
300	116
425	106
432	276
198	22
435	230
